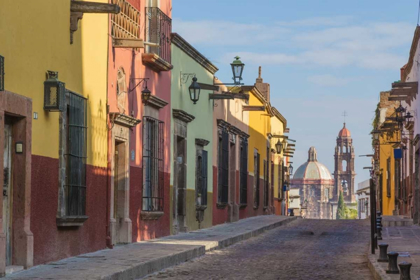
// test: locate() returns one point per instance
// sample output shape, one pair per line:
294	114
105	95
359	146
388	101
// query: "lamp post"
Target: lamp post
237	70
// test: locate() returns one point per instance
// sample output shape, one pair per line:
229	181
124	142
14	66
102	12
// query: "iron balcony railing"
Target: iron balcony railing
1	73
158	31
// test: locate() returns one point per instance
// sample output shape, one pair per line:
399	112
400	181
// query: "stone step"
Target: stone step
13	268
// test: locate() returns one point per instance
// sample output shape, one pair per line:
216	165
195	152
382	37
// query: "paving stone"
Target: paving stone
140	259
304	249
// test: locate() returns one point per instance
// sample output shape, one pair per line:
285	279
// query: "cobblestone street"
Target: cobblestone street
303	249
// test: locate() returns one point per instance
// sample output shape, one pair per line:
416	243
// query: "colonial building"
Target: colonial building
316	186
54	160
139	121
192	149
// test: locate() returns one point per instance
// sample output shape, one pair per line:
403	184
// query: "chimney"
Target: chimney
264	88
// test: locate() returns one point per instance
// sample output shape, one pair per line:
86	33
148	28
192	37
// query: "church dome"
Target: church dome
344	132
312	169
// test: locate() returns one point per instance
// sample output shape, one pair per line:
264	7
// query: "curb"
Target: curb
157	265
375	268
247	235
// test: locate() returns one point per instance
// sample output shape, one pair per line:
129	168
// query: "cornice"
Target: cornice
192	52
201	142
231	128
156	102
182	115
124	120
279	116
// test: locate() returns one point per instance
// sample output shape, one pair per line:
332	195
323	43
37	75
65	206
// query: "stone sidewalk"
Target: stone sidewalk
140	259
405	241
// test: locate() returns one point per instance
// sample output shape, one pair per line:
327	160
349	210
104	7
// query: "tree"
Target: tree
341	208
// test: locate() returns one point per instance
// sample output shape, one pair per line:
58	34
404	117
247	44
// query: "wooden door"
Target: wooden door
7	191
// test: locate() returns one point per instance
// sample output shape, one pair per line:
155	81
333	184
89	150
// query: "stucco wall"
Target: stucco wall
199	128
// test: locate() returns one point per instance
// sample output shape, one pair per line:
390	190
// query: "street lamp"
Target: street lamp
194	90
54	93
237	69
290	169
279	147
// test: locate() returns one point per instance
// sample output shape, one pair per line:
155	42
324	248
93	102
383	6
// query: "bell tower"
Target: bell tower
344	166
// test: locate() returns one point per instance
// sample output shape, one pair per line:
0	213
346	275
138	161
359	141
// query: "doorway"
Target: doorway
120	222
7	191
180	189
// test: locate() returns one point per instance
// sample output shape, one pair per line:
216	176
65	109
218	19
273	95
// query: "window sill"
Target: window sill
256	207
155	62
243	205
71	221
149	215
200	207
221	205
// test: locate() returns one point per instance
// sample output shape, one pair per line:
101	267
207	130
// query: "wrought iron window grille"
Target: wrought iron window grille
158	28
153	164
76	155
223	167
1	73
244	172
256	180
201	178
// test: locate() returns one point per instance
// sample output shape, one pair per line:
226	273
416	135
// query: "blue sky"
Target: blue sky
320	57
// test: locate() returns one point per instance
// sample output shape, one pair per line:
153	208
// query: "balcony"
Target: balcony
158	28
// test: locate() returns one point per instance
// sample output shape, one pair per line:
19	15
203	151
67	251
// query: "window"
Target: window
280	180
158	28
244	171
125	24
388	177
75	155
397	179
1	73
256	179
153	159
201	177
223	167
265	184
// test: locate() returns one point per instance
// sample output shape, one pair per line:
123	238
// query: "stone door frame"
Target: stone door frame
120	231
19	108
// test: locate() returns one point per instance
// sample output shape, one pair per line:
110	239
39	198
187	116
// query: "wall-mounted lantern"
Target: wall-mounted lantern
290	169
237	70
54	93
145	93
279	147
194	90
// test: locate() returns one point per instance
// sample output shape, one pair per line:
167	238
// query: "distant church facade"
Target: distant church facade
319	190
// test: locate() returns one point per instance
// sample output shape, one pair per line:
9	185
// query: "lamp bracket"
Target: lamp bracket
141	80
185	76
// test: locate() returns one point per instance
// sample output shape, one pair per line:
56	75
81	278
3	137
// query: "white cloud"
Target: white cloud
328	80
226	33
371	45
318	21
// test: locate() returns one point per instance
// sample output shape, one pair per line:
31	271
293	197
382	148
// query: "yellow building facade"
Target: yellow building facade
36	38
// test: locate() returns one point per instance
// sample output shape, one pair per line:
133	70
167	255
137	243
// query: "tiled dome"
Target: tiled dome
312	169
344	132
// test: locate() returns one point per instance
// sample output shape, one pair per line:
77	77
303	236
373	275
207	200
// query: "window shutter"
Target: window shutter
225	166
244	171
204	178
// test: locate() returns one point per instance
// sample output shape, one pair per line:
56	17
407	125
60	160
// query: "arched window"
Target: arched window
344	165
